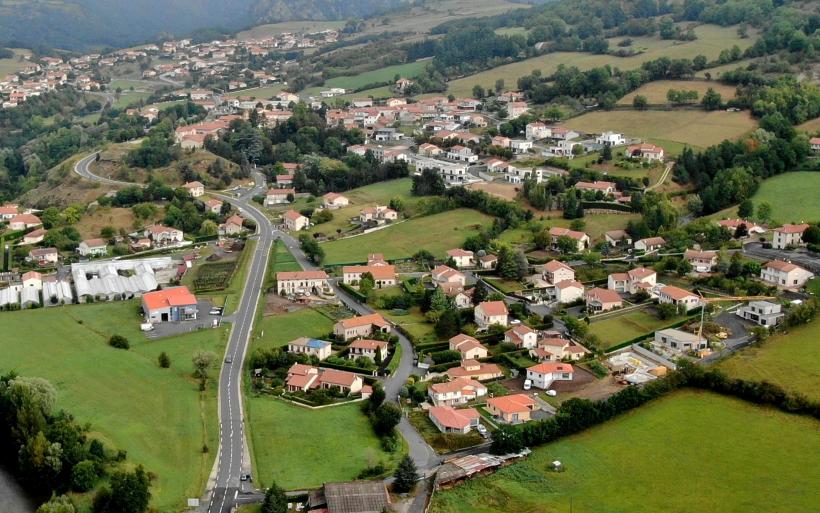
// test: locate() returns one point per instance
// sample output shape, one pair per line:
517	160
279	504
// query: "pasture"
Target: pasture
259	93
379	76
793	197
690	451
157	415
596	225
14	64
655	92
278	330
791	360
811	126
692	127
711	40
614	330
436	233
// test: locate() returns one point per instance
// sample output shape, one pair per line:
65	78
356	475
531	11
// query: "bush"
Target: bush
164	360
445	357
119	342
83	476
386	418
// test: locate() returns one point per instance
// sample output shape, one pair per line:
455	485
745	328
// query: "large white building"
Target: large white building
784	274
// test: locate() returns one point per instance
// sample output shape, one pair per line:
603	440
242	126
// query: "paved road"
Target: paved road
801	256
82	168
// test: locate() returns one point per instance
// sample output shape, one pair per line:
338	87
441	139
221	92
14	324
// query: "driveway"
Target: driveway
204	320
801	256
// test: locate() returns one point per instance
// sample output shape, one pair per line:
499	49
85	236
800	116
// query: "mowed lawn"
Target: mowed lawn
711	39
278	330
655	92
793	197
791	360
300	448
628	326
14	64
694	127
436	233
157	415
596	226
691	451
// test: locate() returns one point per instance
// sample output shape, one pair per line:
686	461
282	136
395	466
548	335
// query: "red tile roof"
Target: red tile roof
363	320
175	296
301	275
493	308
452	418
550	367
516	403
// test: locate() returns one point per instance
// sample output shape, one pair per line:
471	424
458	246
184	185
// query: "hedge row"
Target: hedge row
626	343
358	296
606	206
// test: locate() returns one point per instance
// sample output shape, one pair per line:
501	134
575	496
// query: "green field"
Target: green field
687	452
299	448
413	322
157	415
791	360
436	233
13	65
618	329
263	93
282	260
711	40
278	330
793	197
655	92
385	74
596	226
694	127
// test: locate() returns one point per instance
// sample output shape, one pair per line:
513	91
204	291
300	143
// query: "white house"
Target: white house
680	340
580	238
645	151
522	337
632	281
556	272
311	347
788	235
92	247
195	189
537	130
678	296
452	420
488	313
568	291
610	139
375	350
784	274
461	257
469	347
294	221
291	282
163	235
702	261
763	313
278	196
455	392
333	200
544	374
650	244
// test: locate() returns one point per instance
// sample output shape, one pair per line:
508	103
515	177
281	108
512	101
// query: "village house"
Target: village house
461	298
311	347
443	275
500	141
296	282
451	420
537	130
679	297
169	305
8	211
458	391
213	206
554	349
556	271
429	150
489	313
360	327
462	154
383	275
517	109
195	189
764	313
380	214
284	180
279	196
788	235
602	300
487	261
784	275
645	151
473	369
733	224
44	256
815	144
521	336
610	139
568	291
650	245
294	221
34	236
301	378
461	257
23	221
632	281
581	238
701	261
92	248
544	374
469	347
616	238
375	350
512	409
231	226
680	340
333	200
164	235
598	186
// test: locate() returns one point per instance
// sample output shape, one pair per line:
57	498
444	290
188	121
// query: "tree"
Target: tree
507	266
119	342
764	212
812	235
275	500
522	265
448	324
606	153
666	311
507	439
711	100
567	244
366	284
208	227
376	397
499	85
164	360
129	492
439	302
684	267
478	92
479	293
203	360
84	476
61	504
745	209
386	418
405	476
741	231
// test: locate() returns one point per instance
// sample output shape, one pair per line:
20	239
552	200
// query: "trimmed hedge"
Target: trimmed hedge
604	205
358	296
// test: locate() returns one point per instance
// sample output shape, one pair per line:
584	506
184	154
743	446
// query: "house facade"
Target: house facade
784	274
543	375
92	248
294	221
456	392
452	420
763	313
788	235
311	347
512	409
680	340
488	313
294	282
174	304
679	297
360	327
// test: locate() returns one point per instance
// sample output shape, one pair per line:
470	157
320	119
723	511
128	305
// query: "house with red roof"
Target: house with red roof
383	275
278	196
334	200
169	305
555	349
375	350
34	236
231	226
488	313
568	291
521	336
451	420
581	238
650	244
469	347
362	326
473	369
461	257
784	275
195	189
93	247
294	282
544	374
512	409
555	271
701	261
645	151
23	221
788	235
679	297
602	300
443	274
455	392
733	224
632	281
301	378
294	221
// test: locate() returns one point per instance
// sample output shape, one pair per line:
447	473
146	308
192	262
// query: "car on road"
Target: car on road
482	431
527	384
245	477
228	359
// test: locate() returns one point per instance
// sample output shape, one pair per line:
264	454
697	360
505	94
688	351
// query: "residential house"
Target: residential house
488	313
678	297
733	224
443	275
231	226
213	206
462	154
815	144
610	139
301	282
455	392
354	497
92	248
23	221
469	347
563	134
500	141
301	378
375	350
32	279
764	313
645	151
195	189
568	291
516	109
605	188
164	235
451	420
487	261
169	305
602	300
789	235
554	349
461	257
522	337
383	275
537	130
44	256
512	409
294	221
702	261
473	369
333	200
311	347
284	180
521	145
34	236
430	150
581	238
556	272
544	374
361	327
616	238
8	211
379	214
461	298
784	274
278	196
650	245
680	340
632	281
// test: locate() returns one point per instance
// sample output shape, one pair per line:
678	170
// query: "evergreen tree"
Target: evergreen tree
406	475
275	500
507	266
479	293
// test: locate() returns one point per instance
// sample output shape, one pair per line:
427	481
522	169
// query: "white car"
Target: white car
527	384
482	431
552	393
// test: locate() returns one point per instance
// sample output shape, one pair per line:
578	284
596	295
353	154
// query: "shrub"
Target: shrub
83	476
119	342
164	360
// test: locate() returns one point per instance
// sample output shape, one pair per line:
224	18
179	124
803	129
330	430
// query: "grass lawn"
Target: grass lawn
278	330
282	260
436	233
299	448
791	360
442	442
386	74
415	323
157	415
96	219
264	92
128	98
693	127
793	197
691	451
717	70
13	65
711	40
596	226
615	330
655	92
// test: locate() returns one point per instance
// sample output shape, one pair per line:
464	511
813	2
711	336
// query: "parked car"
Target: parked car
527	384
552	393
482	431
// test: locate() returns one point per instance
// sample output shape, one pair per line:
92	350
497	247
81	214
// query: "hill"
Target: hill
86	24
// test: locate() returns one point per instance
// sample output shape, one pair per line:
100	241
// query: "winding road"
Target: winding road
225	489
